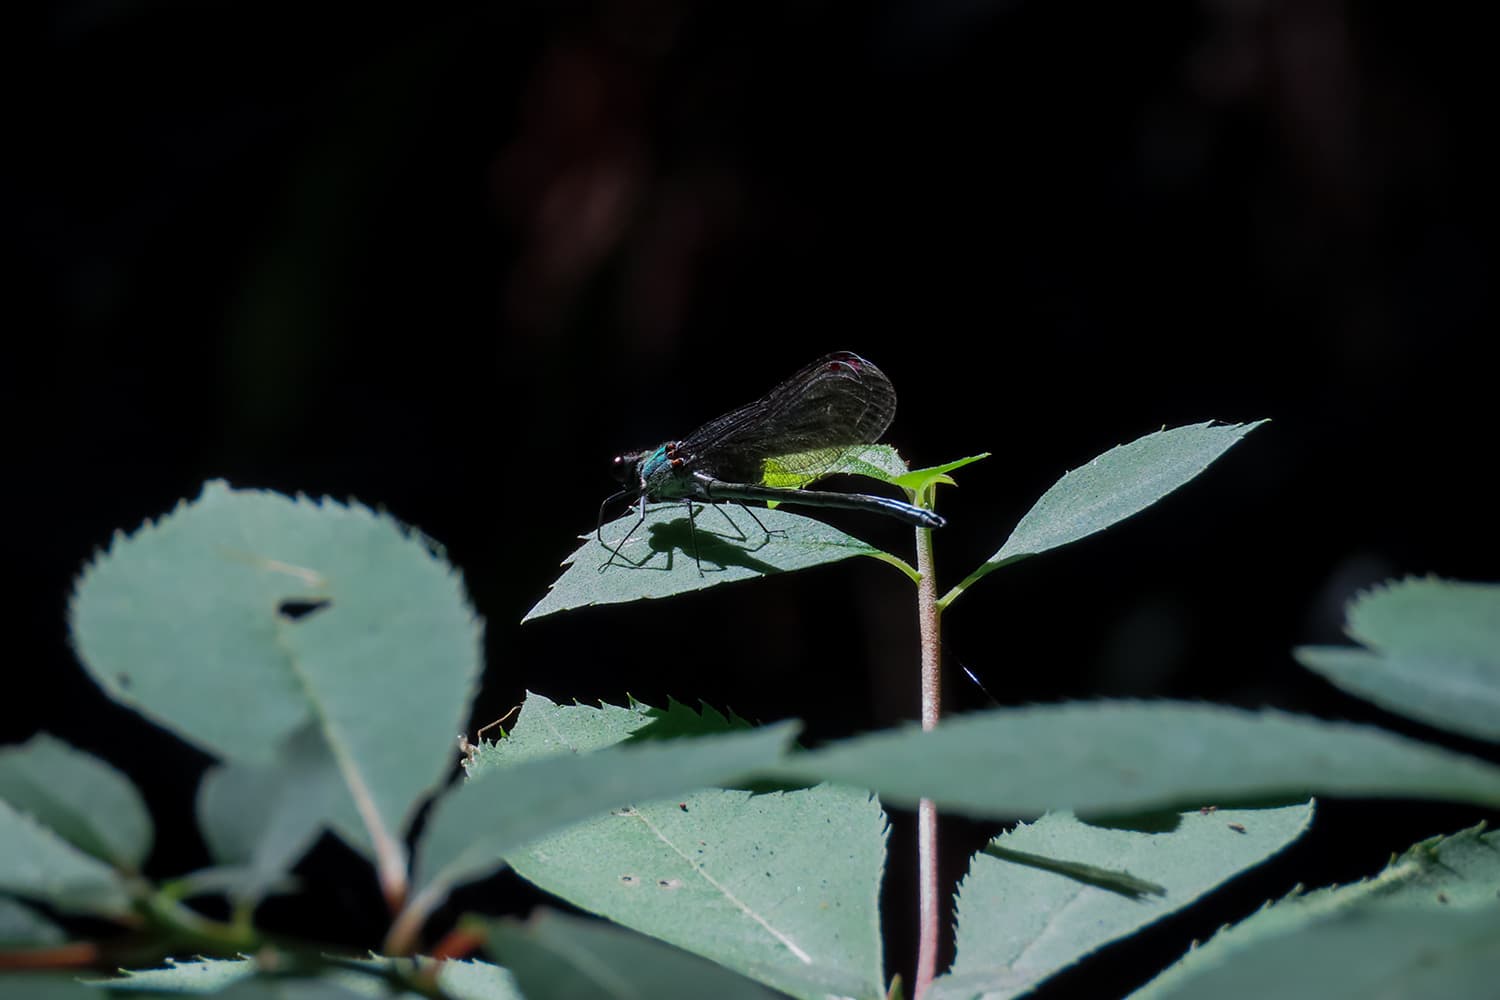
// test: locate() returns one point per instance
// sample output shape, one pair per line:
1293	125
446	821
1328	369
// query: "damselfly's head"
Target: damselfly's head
627	470
628	465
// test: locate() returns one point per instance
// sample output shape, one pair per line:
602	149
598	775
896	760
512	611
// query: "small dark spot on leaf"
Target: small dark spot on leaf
295	609
1442	897
669	883
682	806
629	879
123	680
1236	827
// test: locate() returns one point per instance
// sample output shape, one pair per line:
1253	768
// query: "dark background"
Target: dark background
450	260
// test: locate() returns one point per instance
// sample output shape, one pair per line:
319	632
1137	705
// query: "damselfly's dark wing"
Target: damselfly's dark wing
838	401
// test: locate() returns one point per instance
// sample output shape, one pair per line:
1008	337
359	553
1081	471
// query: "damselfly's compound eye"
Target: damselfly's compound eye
624	465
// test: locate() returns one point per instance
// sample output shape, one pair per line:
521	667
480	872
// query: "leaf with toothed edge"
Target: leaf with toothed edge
80	797
1118	484
245	979
1430	651
1045	895
21	925
556	956
781	887
1121	757
1425	926
244	616
37	864
657	559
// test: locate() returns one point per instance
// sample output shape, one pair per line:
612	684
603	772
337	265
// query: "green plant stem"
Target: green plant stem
901	564
984	570
928	623
191	930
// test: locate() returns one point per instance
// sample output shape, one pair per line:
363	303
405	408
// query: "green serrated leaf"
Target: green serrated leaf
1433	653
547	729
1124	757
473	826
1119	483
204	975
1441	874
327	988
244	979
782	887
678	720
36	863
1396	953
557	957
244	616
476	980
40	986
658	560
1453	871
258	821
80	797
1019	923
21	926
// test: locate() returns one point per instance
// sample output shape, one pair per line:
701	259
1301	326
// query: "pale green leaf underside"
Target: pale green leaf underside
1119	483
181	621
477	980
1433	653
1438	875
558	957
547	729
473	825
325	988
658	561
1414	953
82	799
1119	757
258	820
1019	924
713	877
40	986
35	863
782	887
204	975
22	926
239	978
1123	481
1447	617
